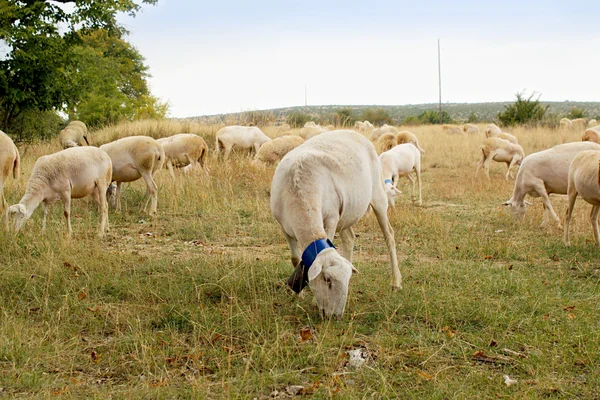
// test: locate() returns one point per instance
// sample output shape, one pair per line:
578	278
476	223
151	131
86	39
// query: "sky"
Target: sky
230	56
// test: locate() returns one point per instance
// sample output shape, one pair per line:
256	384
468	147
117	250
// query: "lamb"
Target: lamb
311	131
409	137
72	173
363	127
492	130
10	162
385	128
452	129
273	151
135	157
499	150
323	186
591	135
244	137
544	173
74	134
183	150
397	162
470	129
584	180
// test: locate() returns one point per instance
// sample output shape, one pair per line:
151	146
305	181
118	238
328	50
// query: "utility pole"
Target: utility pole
305	97
440	79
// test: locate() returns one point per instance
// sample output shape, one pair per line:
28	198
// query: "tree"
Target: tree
298	119
39	37
523	111
377	116
432	117
576	113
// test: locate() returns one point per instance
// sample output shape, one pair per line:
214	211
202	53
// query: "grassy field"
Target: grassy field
193	303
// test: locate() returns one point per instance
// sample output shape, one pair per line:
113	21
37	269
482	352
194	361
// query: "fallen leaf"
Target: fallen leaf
425	375
305	334
571	316
488	257
493	343
508	381
554	258
449	332
480	353
82	295
568	308
95	356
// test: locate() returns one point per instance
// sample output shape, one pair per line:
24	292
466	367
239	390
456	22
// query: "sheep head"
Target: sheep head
517	208
19	215
328	278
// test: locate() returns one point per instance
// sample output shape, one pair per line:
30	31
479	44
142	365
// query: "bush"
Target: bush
576	113
473	118
344	117
298	119
411	120
377	116
525	111
257	118
432	117
32	125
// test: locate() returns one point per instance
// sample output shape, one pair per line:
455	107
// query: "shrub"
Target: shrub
377	116
32	125
473	118
298	119
525	111
344	117
433	117
257	118
576	113
411	120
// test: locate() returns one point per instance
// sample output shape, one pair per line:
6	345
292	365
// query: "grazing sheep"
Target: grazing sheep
184	149
584	180
310	124
409	137
284	128
74	134
578	124
385	128
310	131
397	162
508	136
323	186
492	130
470	129
273	151
360	126
499	150
386	142
592	122
135	157
69	174
244	137
544	173
9	163
452	129
591	135
565	123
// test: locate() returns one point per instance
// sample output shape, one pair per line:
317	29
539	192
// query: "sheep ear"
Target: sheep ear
506	203
354	270
397	191
314	271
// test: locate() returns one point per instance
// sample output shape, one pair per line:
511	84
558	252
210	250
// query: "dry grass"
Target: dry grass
193	303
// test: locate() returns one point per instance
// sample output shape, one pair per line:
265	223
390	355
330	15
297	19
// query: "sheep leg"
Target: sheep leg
572	196
418	173
118	196
481	162
227	151
347	236
100	196
512	163
594	216
548	205
170	168
151	192
413	184
3	204
379	205
45	205
293	245
67	203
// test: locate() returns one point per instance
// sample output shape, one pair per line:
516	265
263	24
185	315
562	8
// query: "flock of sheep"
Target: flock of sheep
324	182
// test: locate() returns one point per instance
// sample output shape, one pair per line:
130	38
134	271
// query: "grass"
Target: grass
193	304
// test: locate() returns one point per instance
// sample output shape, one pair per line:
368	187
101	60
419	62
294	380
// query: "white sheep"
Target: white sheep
591	135
72	173
273	151
470	129
584	180
74	134
243	137
183	150
10	162
578	124
397	162
499	150
544	173
592	122
310	131
323	186
310	124
492	130
452	129
507	136
385	128
565	123
135	157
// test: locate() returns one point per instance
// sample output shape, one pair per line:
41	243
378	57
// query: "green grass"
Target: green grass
193	304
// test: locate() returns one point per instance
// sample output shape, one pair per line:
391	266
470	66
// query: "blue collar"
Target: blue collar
312	251
388	181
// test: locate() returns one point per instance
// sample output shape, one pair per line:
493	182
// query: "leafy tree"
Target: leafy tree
523	111
39	37
377	116
298	119
411	120
473	118
576	113
432	117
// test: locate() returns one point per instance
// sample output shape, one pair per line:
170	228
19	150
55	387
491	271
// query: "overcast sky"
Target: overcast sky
226	56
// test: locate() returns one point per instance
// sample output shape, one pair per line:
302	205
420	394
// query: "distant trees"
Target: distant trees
525	111
297	119
344	117
429	117
377	116
576	112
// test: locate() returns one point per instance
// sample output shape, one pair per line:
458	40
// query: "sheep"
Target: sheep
452	129
592	122
492	130
310	124
72	173
578	124
386	142
385	128
508	136
184	149
409	137
284	128
565	123
400	161
311	131
323	186
244	137
584	180
10	162
273	151
363	127
74	134
591	135
499	150
135	157
470	129
544	173
330	127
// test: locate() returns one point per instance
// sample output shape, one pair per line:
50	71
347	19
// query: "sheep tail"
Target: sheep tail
598	173
16	165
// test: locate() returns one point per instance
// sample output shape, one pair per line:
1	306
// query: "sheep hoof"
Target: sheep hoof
396	288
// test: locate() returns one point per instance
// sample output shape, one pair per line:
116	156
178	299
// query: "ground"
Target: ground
192	303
